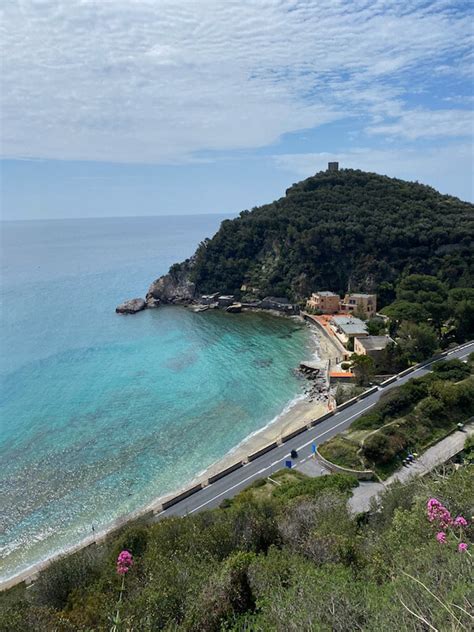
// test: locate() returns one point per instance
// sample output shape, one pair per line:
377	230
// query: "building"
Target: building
372	346
333	166
325	302
346	328
363	304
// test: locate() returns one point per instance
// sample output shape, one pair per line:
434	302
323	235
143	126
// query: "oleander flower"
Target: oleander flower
460	521
124	562
441	537
462	546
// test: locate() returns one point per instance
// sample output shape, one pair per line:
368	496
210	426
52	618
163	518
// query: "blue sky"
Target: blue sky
157	107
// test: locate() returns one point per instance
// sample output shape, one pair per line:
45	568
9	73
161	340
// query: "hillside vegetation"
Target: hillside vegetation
338	229
282	556
409	418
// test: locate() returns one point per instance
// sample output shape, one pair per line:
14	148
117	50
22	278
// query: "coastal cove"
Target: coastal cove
97	432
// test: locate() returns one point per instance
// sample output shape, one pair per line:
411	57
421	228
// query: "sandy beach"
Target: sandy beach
298	413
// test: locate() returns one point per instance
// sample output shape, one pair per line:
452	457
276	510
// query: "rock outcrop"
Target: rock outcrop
132	306
235	308
171	288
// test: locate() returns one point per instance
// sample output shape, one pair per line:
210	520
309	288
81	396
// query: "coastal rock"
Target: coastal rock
235	308
132	306
171	288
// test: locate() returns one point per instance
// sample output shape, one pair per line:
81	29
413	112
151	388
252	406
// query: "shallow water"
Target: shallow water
102	413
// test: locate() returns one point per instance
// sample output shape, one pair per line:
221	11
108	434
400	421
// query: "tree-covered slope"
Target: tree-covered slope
334	229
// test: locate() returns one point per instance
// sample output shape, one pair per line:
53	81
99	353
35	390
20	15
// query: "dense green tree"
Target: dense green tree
363	368
426	291
335	229
401	310
417	342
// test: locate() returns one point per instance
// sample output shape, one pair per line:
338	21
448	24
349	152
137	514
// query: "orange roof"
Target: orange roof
341	374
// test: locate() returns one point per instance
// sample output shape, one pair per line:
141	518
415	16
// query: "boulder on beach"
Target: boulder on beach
132	306
235	308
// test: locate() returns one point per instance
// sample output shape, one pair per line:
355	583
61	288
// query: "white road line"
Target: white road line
336	426
229	489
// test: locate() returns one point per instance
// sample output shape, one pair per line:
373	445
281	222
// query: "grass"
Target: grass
342	451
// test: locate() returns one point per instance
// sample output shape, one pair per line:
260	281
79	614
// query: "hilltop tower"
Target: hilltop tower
333	166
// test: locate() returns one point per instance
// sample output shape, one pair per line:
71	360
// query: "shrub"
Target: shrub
378	449
312	486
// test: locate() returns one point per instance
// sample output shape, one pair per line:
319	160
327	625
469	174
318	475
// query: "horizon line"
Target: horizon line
65	219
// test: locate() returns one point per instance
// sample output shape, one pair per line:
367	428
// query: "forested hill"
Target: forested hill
337	229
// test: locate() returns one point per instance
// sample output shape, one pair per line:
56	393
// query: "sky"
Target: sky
157	107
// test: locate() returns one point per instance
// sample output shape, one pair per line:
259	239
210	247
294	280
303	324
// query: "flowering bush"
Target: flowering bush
441	519
124	562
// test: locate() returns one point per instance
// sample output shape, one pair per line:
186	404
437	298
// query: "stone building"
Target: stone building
372	346
325	302
363	304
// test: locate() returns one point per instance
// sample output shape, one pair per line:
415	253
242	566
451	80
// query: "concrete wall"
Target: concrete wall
222	473
182	496
267	448
361	475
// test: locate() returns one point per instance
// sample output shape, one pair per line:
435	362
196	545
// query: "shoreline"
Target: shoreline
298	412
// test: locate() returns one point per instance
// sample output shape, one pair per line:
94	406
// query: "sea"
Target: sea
101	413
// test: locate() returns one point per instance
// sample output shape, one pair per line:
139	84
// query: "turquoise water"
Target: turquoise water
103	413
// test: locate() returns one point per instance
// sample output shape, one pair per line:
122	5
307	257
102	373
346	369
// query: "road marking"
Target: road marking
336	426
229	489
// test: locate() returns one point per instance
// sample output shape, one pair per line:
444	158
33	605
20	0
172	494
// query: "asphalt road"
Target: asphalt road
230	485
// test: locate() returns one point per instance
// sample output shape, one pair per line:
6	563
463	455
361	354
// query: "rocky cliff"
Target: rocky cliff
172	288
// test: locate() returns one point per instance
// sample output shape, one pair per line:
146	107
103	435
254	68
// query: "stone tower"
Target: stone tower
333	166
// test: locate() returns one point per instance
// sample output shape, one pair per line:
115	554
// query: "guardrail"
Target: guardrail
368	392
228	470
181	496
349	402
212	479
390	380
295	433
264	450
318	420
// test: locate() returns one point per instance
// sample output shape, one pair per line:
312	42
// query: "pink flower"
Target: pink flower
460	522
462	546
124	562
438	512
441	537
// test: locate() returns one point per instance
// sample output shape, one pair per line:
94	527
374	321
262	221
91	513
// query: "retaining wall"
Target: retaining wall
361	475
390	380
341	351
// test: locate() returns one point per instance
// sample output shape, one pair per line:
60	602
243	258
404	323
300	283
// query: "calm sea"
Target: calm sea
102	413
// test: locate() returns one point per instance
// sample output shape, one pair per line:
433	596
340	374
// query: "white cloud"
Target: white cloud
448	168
428	124
159	80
